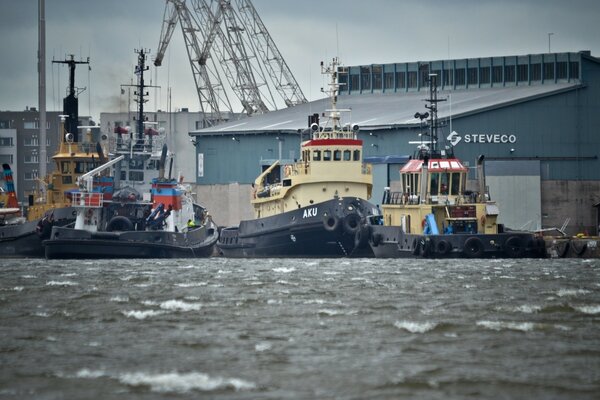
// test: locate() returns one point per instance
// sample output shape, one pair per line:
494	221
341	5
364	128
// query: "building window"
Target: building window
400	80
509	73
448	77
484	75
31	159
536	72
30	176
523	73
388	80
549	71
354	82
4	124
424	74
574	67
412	79
6	159
6	142
31	125
561	70
497	74
459	77
365	78
377	77
31	142
343	80
472	76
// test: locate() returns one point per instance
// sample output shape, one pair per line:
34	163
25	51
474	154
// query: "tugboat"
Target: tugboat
51	205
320	205
123	216
434	216
124	225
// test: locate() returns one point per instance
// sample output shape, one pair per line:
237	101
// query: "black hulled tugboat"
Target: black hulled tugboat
434	216
115	220
320	206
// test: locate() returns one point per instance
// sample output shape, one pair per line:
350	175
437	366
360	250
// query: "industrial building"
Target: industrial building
534	117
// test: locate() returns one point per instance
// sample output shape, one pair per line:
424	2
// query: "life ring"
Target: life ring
351	223
331	223
513	247
473	247
119	223
287	170
443	247
362	236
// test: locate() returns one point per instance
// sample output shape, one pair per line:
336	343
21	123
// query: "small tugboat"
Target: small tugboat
124	225
122	216
51	204
319	206
434	216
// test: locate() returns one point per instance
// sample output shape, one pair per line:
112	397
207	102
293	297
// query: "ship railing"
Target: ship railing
79	147
88	199
404	198
302	168
145	145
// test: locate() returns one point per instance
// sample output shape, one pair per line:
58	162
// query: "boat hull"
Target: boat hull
392	242
327	229
25	239
69	243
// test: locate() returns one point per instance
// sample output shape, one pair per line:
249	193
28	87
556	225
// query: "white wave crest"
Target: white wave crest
330	312
415	327
262	346
183	383
61	283
119	299
178	305
571	292
90	374
528	309
592	309
191	284
284	270
502	325
142	314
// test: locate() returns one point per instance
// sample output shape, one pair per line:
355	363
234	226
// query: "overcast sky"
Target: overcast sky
374	31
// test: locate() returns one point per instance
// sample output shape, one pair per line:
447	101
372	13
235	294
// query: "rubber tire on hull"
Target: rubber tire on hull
443	247
352	223
425	247
513	247
362	236
473	247
376	239
331	223
119	224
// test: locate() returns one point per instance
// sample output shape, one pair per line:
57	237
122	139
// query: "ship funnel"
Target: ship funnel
161	163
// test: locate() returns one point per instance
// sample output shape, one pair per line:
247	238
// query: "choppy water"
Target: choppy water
296	329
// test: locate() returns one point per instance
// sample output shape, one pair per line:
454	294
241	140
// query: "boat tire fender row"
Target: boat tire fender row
362	236
331	223
425	247
119	223
376	239
415	247
473	247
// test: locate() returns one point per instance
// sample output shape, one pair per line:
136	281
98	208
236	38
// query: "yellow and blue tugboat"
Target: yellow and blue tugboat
318	207
51	204
435	216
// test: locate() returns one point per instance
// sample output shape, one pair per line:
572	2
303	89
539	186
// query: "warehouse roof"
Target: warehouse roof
389	110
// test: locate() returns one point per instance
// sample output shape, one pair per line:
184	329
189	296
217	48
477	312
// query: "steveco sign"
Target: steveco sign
454	138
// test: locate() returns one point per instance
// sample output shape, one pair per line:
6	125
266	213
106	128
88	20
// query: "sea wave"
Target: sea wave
142	314
178	305
507	325
61	283
415	327
284	270
589	309
571	292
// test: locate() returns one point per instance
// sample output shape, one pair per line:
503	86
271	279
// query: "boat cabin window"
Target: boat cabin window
455	184
136	162
65	167
317	155
337	155
326	155
434	183
444	183
410	183
347	155
356	155
67	179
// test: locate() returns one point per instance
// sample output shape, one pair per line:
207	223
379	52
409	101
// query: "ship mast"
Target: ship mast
42	86
71	102
433	109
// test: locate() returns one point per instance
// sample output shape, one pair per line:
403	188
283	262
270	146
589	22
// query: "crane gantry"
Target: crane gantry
228	37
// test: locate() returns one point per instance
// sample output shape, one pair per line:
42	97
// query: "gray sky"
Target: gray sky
375	31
